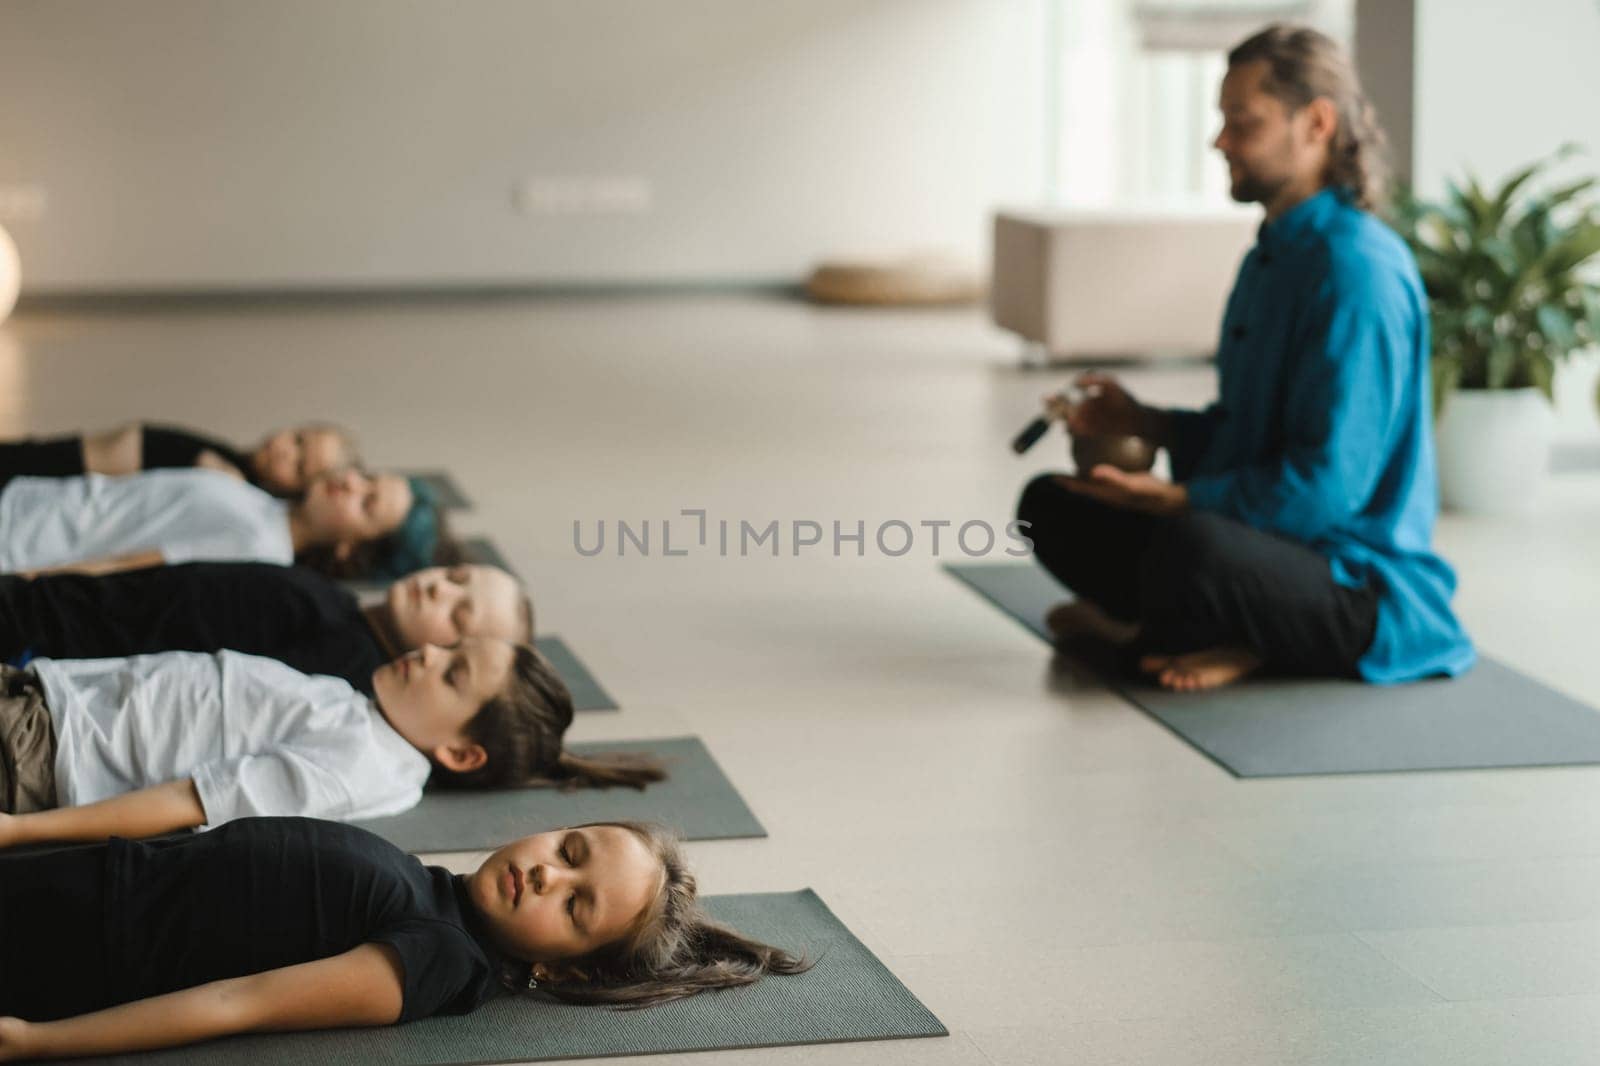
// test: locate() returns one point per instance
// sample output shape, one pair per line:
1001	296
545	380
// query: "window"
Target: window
1133	87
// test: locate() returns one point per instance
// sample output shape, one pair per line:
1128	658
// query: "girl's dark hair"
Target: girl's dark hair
674	951
370	557
521	729
1303	65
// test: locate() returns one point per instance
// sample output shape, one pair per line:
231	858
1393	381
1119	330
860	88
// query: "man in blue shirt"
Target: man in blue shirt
1295	534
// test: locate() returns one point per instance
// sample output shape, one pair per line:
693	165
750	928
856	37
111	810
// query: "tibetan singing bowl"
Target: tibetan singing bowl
1133	454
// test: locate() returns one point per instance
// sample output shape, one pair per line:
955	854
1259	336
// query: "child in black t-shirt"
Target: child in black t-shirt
292	923
295	615
283	463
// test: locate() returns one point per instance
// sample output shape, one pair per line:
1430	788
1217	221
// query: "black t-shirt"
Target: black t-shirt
287	613
167	447
93	926
260	893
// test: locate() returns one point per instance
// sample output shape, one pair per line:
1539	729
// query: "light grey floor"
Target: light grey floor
1057	876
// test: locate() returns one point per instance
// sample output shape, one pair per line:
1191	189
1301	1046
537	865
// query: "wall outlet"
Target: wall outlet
21	203
583	196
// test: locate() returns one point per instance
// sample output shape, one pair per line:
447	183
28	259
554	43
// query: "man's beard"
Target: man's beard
1249	189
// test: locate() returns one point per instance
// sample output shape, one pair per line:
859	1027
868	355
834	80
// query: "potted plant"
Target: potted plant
1511	297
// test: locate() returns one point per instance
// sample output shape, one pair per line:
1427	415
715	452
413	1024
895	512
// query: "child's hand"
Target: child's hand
210	460
16	1040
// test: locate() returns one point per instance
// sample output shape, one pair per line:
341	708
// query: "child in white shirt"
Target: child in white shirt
154	743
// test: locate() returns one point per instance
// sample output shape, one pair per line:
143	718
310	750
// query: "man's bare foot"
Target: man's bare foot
1211	668
1080	618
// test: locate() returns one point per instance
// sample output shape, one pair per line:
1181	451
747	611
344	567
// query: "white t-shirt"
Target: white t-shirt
187	515
258	737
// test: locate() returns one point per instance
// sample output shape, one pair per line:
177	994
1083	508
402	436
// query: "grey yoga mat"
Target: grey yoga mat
1492	716
444	487
482	550
696	799
848	995
587	695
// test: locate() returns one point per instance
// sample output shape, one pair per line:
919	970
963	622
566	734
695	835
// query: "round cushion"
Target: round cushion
916	280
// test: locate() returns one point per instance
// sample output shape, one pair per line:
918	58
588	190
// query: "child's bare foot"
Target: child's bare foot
1080	618
1211	668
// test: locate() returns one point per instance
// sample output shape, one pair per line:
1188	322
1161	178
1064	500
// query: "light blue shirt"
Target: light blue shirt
1323	429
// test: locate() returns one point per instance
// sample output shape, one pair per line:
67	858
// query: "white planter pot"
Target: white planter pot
1494	449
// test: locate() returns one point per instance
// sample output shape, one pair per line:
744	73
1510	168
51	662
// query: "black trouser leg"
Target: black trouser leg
1091	548
1207	581
1200	580
41	457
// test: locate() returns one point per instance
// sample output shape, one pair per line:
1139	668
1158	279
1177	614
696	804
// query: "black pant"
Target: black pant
41	457
1199	580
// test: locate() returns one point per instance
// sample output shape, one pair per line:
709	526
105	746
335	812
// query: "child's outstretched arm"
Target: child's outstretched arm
146	813
106	564
363	986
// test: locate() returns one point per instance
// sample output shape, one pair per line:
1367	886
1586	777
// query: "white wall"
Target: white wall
1498	84
176	144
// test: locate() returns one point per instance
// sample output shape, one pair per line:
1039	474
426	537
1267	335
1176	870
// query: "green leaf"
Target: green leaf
1542	374
1572	250
1502	200
1556	197
1502	365
1558	328
1446	378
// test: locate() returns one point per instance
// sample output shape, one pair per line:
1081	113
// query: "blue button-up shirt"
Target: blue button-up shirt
1323	429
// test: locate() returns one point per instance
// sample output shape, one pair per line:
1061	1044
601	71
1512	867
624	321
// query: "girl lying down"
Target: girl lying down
293	923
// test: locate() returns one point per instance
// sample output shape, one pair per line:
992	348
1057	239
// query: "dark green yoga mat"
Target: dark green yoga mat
482	550
848	995
444	487
1490	717
697	799
587	695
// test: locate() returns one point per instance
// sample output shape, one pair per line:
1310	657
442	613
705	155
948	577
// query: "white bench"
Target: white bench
1095	285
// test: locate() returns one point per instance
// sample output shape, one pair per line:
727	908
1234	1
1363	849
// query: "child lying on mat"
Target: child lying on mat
291	923
288	613
92	748
283	463
348	523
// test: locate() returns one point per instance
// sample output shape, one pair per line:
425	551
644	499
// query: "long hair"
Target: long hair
1303	65
521	728
673	951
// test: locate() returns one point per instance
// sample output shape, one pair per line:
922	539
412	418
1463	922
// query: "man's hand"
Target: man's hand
1103	409
1134	492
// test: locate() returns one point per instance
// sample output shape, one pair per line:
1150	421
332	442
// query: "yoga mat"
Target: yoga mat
696	799
482	550
587	695
444	487
1491	717
848	995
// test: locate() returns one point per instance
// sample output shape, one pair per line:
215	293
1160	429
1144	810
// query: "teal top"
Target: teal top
1322	432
